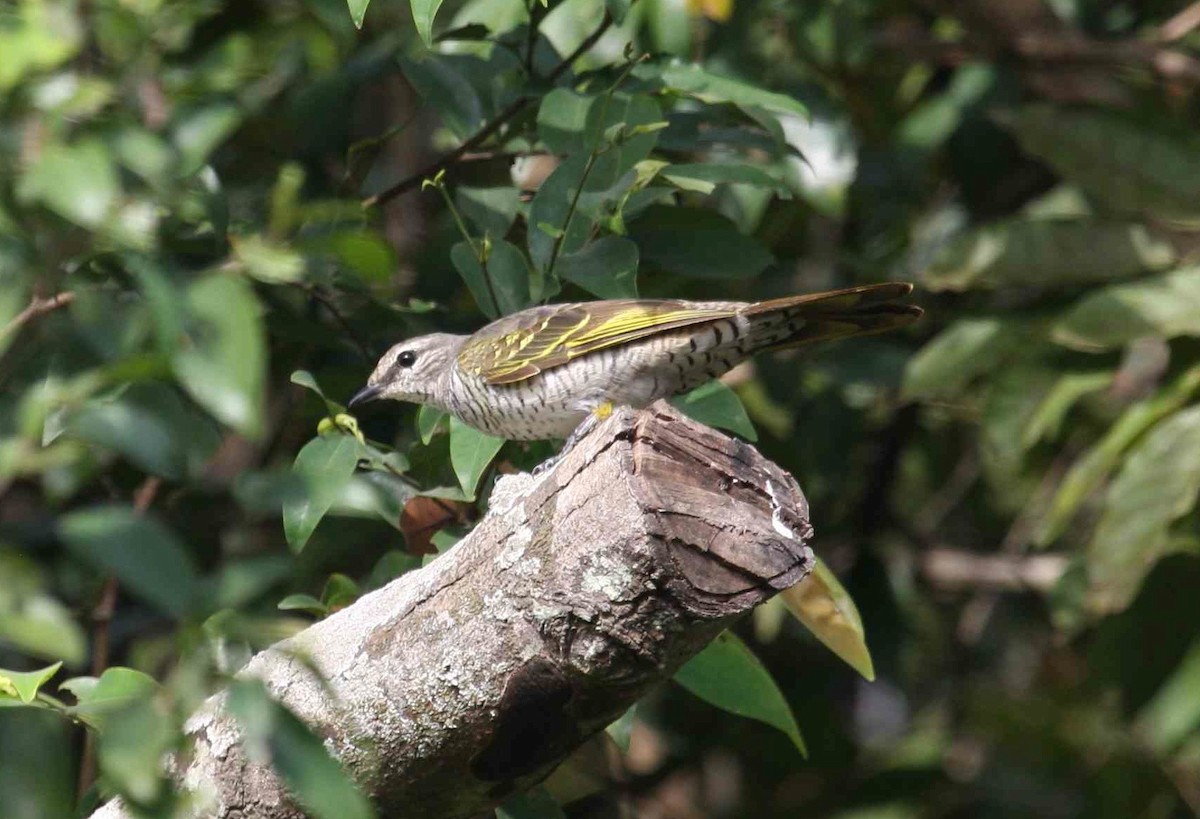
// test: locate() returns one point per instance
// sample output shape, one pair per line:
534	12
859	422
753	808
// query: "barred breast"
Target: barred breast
553	403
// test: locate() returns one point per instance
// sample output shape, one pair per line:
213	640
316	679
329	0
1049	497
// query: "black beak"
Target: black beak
367	393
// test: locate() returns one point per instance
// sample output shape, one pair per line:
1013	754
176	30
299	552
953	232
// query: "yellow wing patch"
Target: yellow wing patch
536	340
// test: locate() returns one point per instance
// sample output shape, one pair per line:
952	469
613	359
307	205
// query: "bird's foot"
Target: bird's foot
593	420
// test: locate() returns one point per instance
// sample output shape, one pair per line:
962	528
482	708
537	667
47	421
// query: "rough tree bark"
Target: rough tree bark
459	684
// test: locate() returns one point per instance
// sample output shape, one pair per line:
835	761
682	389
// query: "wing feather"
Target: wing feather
529	342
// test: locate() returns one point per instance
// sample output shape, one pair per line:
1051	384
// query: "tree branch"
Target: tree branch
471	679
515	107
37	306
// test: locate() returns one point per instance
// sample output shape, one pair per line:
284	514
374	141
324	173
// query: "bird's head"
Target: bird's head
412	370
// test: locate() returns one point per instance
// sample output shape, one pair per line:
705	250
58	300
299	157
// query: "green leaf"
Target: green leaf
502	286
145	555
150	426
429	420
114	690
446	88
1113	316
132	749
1087	473
326	464
1174	712
24	685
823	605
471	451
562	121
728	675
697	243
267	261
1067	391
695	81
303	602
1129	165
606	268
201	131
536	803
274	736
1047	253
358	11
423	12
1157	485
224	364
724	173
34	622
78	182
963	352
491	211
717	405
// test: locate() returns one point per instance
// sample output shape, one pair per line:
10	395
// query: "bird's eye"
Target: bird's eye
406	358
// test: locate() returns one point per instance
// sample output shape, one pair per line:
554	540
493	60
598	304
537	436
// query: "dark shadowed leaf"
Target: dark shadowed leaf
697	243
326	464
1047	253
501	286
1126	164
717	405
274	736
961	353
146	556
470	453
606	268
447	90
533	804
728	675
490	210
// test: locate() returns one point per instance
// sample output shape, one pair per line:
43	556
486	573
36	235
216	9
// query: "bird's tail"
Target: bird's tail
856	311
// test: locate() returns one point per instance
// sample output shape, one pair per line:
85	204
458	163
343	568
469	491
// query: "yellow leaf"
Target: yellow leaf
827	610
718	10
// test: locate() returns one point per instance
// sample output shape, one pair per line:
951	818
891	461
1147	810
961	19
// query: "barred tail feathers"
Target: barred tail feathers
798	320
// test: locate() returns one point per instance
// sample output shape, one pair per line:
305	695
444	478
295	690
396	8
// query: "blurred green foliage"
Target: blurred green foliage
215	215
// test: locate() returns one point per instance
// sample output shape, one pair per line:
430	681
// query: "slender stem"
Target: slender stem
102	616
37	307
479	252
512	110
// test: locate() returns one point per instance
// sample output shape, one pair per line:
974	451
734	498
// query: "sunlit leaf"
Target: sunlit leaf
78	182
1157	485
963	352
1090	470
115	689
358	11
728	675
24	685
326	464
274	735
224	365
423	13
823	605
1113	316
706	86
1174	712
471	451
146	556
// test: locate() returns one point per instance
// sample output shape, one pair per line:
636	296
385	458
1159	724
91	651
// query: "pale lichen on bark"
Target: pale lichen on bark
583	587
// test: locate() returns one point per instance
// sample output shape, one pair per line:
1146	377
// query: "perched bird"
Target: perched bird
542	372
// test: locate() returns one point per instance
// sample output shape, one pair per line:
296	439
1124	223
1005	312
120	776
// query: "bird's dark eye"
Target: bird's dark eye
406	358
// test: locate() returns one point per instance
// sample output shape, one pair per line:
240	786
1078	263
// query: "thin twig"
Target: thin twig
37	306
328	303
516	107
102	616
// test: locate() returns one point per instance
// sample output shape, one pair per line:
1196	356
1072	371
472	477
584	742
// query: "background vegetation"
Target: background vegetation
208	209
